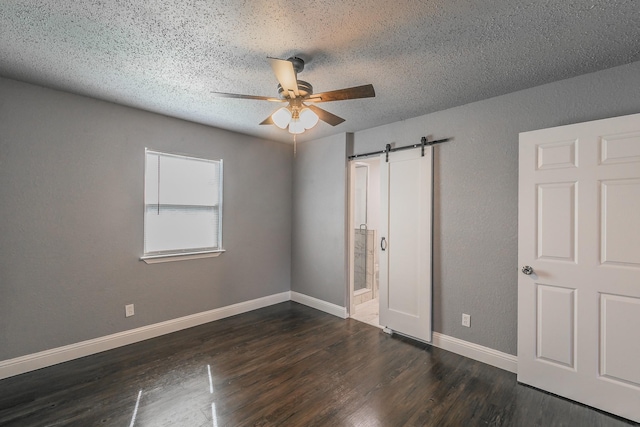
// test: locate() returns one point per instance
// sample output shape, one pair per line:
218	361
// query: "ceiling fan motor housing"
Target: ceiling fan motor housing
298	64
304	88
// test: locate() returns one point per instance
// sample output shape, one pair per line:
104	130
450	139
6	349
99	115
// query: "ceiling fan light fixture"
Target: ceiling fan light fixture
308	118
296	126
281	117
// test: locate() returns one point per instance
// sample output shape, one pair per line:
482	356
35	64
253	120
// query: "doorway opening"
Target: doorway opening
364	196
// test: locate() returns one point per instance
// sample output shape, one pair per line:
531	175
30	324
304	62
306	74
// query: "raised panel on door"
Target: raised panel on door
557	155
555	321
620	148
556	221
619	354
620	232
404	247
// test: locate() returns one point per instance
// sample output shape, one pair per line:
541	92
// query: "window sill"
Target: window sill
155	259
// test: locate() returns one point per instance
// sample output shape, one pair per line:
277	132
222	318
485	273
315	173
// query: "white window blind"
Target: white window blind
183	204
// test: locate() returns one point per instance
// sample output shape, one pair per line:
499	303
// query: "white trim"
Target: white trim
350	300
318	304
31	362
487	355
155	259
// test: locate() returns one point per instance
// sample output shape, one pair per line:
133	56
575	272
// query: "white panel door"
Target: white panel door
579	231
406	184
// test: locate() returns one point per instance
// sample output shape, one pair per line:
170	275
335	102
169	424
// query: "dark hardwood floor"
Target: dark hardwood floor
284	365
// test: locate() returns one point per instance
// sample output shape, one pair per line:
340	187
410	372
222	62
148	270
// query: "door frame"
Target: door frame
351	186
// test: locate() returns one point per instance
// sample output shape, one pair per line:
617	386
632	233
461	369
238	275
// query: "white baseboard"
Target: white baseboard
31	362
318	304
477	352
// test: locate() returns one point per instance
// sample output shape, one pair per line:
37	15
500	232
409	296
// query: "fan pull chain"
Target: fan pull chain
294	145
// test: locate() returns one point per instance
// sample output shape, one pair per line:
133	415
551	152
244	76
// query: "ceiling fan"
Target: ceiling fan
301	113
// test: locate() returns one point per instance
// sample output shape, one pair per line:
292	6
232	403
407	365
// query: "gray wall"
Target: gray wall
71	203
319	220
71	208
475	197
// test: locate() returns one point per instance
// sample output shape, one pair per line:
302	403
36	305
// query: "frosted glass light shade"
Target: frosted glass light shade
282	117
308	118
296	126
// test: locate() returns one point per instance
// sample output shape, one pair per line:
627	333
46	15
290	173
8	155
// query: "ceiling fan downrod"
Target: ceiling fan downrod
298	63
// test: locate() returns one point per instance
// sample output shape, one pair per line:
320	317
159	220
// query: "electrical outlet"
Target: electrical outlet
466	320
128	310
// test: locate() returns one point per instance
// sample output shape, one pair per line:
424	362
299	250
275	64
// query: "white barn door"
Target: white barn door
579	255
406	182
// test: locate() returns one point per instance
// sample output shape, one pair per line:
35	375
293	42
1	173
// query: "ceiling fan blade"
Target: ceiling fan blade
365	91
285	74
238	96
326	116
267	121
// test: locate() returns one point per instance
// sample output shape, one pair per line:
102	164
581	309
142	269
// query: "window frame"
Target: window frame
190	253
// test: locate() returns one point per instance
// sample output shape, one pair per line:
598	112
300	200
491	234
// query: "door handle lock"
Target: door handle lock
383	244
528	270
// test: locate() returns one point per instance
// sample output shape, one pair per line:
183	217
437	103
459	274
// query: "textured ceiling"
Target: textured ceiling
421	56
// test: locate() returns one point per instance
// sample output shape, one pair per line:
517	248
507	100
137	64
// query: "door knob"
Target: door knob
528	270
383	244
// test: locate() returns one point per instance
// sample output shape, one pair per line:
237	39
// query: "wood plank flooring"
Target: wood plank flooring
284	365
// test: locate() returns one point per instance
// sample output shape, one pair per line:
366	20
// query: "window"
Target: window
182	207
